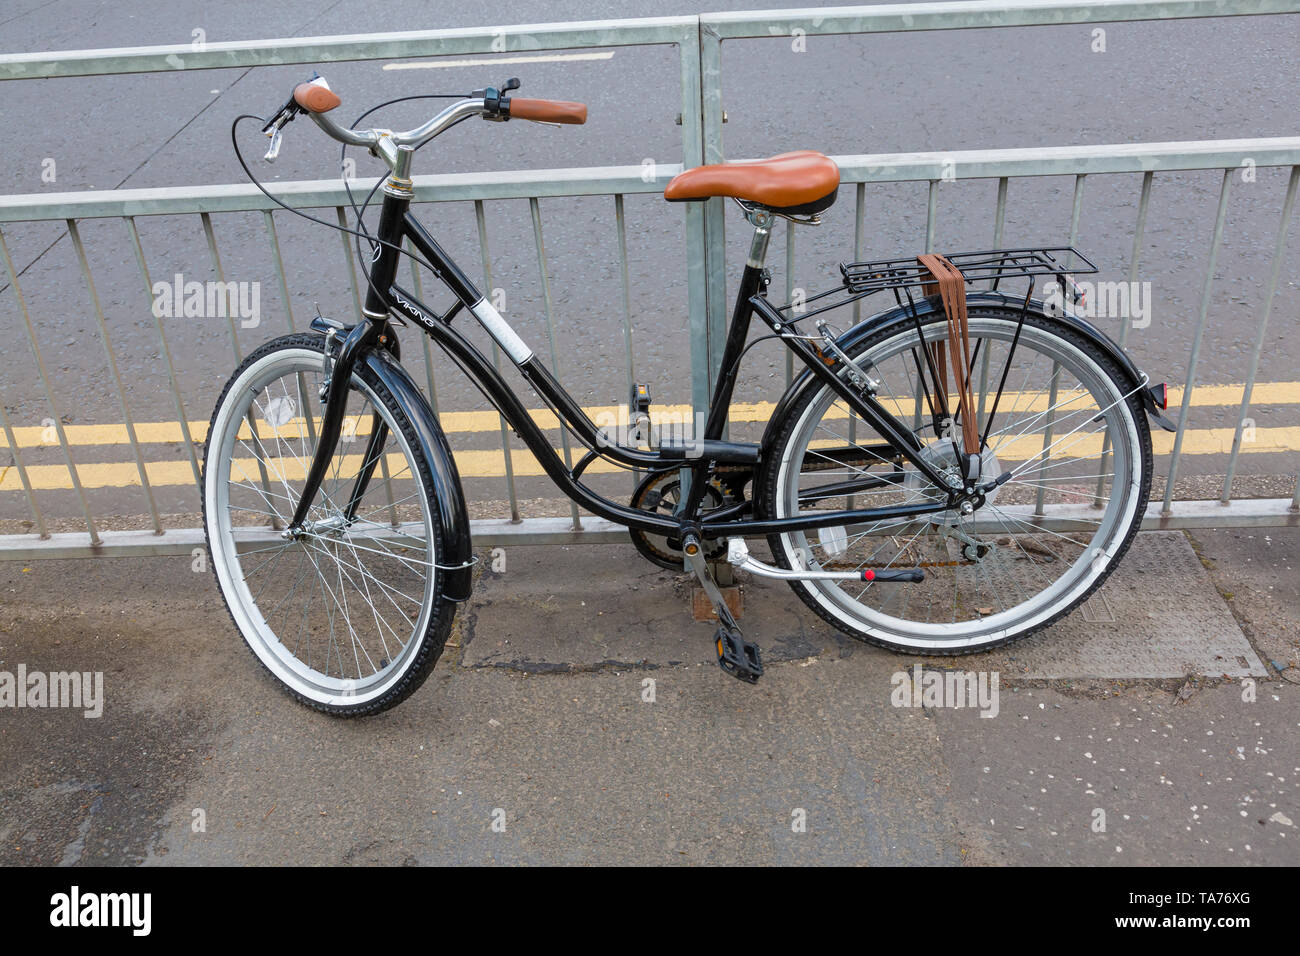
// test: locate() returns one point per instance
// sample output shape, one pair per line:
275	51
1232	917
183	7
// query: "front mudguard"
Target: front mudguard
457	555
903	316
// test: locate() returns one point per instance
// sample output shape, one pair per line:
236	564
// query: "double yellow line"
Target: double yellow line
491	463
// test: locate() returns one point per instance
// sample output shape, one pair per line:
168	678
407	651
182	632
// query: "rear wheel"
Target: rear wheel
349	617
1077	446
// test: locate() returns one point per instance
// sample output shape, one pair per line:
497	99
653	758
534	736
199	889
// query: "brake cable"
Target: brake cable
375	241
343	150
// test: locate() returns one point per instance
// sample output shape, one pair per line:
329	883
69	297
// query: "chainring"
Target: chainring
660	492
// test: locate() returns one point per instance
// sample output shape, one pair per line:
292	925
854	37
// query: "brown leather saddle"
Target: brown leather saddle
801	183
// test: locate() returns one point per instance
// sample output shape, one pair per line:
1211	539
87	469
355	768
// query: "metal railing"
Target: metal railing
699	42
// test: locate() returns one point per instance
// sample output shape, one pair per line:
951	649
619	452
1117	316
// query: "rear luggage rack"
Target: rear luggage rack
993	265
906	277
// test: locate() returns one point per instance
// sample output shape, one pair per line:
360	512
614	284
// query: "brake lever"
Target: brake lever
275	126
274	150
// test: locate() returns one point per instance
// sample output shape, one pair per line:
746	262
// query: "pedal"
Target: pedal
737	656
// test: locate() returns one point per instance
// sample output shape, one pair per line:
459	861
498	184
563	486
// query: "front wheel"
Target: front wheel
349	616
1067	428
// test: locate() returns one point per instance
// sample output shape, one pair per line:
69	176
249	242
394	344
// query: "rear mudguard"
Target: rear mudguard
902	315
456	556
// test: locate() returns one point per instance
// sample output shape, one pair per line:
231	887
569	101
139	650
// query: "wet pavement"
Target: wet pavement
600	731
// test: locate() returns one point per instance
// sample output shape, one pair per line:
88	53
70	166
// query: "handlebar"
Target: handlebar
546	111
315	98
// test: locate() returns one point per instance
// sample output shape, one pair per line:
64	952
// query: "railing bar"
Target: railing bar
206	219
273	237
606	180
981	414
1139	233
1126	321
859	254
789	291
1076	214
347	257
181	418
536	210
303	392
999	229
249	417
480	216
620	223
49	391
111	359
22	472
931	214
1195	355
417	281
1040	498
280	51
234	341
1279	253
388	485
999	218
859	237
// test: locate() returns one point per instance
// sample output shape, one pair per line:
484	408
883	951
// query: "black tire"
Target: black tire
766	493
417	660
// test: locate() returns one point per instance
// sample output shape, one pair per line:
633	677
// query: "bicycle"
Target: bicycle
918	488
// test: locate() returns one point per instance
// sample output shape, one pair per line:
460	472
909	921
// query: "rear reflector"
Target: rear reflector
1160	395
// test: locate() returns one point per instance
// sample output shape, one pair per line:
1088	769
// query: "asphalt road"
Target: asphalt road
1178	80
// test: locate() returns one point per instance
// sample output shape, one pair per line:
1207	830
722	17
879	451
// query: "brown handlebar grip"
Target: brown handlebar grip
548	111
315	99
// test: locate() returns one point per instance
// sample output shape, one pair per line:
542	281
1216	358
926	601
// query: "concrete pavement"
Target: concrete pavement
534	741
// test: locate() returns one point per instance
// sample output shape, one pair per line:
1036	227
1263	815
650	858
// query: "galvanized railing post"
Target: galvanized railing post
269	221
697	241
620	229
1208	286
110	359
178	402
57	420
481	218
715	218
1279	252
1127	320
23	478
544	271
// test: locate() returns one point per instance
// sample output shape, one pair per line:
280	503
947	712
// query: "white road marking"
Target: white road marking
540	58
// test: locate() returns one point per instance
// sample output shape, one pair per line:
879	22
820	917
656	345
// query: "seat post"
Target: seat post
761	220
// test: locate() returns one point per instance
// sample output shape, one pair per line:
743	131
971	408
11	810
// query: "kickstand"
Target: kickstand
736	656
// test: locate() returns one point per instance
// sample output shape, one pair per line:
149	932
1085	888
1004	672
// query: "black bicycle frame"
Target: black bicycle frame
384	298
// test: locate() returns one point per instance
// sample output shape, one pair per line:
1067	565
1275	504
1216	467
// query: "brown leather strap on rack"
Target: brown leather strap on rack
951	286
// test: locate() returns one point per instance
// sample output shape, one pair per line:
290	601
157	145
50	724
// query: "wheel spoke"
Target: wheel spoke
987	571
